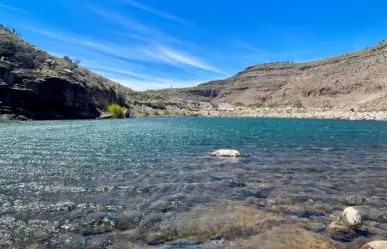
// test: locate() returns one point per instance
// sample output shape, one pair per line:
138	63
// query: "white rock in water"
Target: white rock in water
226	153
351	218
378	244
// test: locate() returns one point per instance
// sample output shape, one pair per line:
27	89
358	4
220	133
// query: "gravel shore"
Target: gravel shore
295	113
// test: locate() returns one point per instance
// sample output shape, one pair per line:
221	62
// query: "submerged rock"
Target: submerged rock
346	225
351	218
354	200
378	244
160	206
220	220
98	223
286	236
338	227
227	153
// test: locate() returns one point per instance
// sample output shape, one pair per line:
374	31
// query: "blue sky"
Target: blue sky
152	44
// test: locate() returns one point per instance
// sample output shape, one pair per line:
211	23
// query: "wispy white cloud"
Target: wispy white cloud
155	48
151	59
135	76
156	12
134	37
134	52
151	34
7	7
140	77
186	59
252	54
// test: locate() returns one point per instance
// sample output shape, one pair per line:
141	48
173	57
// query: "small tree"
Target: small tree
116	110
67	59
14	32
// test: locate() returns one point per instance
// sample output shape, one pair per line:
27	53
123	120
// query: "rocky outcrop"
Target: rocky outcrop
40	86
354	80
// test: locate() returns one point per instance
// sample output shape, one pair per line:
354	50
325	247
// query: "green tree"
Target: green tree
116	110
67	59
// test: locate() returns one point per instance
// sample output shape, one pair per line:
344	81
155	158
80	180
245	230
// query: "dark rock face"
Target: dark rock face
37	85
53	98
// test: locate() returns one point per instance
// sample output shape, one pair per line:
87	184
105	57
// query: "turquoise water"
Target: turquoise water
55	174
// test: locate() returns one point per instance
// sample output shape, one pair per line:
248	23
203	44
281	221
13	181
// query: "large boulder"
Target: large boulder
226	153
351	217
286	236
378	244
205	223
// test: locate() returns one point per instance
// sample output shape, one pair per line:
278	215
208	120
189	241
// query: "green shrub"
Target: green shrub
158	97
239	104
141	96
116	110
67	59
255	105
71	64
158	105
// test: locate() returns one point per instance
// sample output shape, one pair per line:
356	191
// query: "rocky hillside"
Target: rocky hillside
37	85
354	80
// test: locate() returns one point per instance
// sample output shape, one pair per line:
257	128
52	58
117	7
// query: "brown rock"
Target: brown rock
337	227
223	219
379	244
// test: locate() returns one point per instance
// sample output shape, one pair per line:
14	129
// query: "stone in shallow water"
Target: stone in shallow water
380	244
338	227
286	237
354	200
160	206
351	218
98	223
314	226
223	219
226	153
127	245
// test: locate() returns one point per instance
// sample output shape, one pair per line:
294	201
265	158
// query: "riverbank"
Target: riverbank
294	113
180	107
248	113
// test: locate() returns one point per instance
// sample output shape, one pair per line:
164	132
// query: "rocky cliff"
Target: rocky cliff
36	85
354	80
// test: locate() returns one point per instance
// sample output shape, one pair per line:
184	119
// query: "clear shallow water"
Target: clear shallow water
64	180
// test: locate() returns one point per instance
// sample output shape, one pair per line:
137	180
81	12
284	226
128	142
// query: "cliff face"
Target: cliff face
37	85
349	81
